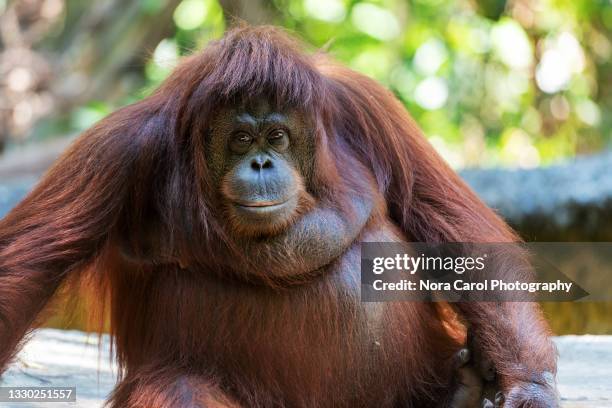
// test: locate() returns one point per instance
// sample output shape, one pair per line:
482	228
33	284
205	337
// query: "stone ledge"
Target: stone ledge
571	201
72	358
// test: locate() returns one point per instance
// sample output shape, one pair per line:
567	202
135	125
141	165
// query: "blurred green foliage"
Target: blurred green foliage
520	83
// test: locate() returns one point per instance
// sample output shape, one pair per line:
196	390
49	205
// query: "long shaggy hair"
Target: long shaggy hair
142	172
353	117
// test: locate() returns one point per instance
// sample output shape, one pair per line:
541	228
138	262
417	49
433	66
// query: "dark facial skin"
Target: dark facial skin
259	159
261	163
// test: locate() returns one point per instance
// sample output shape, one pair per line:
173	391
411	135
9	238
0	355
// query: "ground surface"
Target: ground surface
71	358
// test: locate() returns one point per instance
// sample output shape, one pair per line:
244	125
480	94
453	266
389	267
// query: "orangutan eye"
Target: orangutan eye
240	142
278	139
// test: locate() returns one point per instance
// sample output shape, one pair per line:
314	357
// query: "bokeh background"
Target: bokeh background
512	82
517	84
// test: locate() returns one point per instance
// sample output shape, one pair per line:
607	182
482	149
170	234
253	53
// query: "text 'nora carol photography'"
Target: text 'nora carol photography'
453	272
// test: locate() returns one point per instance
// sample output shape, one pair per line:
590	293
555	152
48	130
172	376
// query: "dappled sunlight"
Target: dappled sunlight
531	66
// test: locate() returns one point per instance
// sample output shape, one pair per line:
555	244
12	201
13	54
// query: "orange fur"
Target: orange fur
198	316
